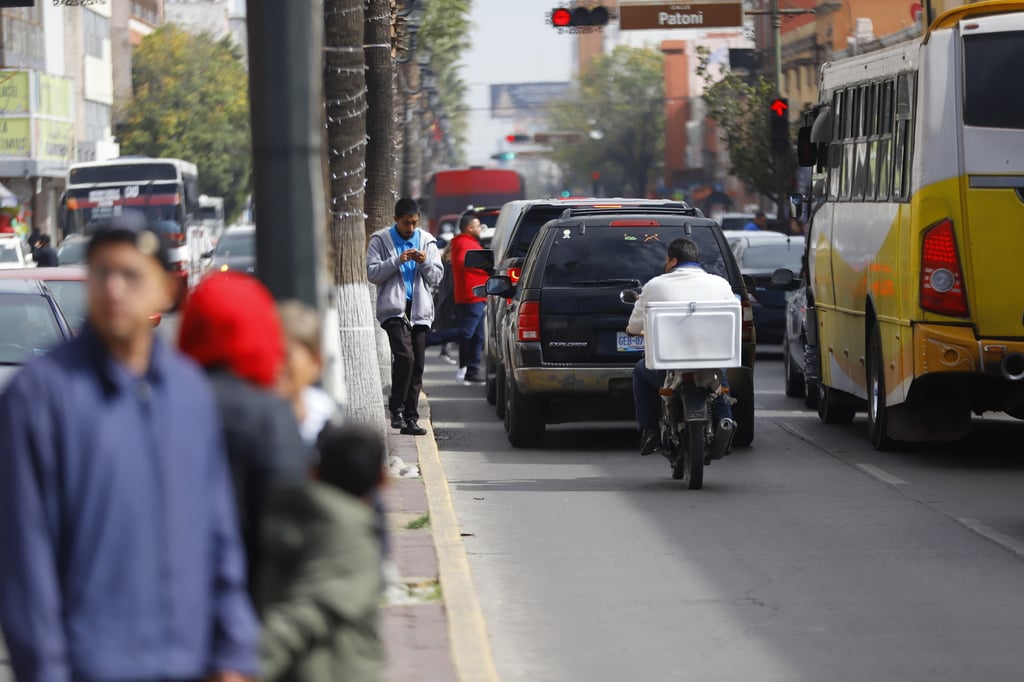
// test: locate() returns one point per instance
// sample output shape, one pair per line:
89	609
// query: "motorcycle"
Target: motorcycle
690	439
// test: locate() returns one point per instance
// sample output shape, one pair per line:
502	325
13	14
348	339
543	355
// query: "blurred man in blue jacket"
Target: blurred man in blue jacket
121	555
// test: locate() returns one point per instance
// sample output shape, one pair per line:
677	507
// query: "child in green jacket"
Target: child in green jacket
320	583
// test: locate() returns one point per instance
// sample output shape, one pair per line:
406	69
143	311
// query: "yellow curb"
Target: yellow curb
471	649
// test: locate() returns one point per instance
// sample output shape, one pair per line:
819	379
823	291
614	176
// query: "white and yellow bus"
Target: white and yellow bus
916	248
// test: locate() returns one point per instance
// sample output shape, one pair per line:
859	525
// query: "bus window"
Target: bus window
990	101
903	145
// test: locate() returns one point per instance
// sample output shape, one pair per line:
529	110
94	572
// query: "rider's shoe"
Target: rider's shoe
650	442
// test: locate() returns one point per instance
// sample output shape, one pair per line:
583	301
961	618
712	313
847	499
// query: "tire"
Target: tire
834	407
690	467
810	393
492	384
524	418
878	413
794	379
743	413
499	399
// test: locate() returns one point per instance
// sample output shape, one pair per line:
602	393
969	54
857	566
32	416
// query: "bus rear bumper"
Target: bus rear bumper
943	349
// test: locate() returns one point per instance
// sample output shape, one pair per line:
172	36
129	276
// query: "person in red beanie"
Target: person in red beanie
230	326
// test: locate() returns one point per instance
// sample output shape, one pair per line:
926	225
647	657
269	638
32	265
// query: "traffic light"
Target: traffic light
518	137
778	115
504	156
579	17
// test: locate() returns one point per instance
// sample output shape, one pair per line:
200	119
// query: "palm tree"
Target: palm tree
345	111
380	115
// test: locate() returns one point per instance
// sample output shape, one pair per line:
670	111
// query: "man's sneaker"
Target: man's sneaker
397	419
474	378
650	442
411	428
447	356
460	375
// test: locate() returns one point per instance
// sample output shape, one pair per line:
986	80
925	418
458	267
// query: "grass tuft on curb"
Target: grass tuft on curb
420	522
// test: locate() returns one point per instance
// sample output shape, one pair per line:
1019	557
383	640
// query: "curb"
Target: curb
470	646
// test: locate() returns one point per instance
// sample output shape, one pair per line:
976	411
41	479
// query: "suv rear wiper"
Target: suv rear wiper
606	282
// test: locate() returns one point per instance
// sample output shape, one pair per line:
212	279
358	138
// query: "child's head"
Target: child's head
351	458
303	361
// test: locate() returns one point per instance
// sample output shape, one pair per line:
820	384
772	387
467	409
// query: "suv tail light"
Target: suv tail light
528	323
942	288
747	325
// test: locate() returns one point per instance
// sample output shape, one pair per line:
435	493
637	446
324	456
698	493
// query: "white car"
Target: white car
14	253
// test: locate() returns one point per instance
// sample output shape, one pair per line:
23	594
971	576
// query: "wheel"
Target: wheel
743	413
794	379
523	418
690	466
834	407
878	413
499	399
492	384
810	393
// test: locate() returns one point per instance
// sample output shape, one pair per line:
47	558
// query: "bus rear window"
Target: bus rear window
990	100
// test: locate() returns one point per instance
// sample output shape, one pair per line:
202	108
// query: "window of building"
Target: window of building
97	120
97	30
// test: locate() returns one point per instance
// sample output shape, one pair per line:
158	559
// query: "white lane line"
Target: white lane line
882	476
786	414
1004	541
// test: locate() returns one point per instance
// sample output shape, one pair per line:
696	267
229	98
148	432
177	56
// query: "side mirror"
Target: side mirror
629	296
480	290
797	200
499	285
806	151
749	283
206	254
783	278
482	259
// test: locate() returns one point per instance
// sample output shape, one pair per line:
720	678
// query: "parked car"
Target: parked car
72	250
800	349
14	253
516	226
563	354
235	250
31	324
760	258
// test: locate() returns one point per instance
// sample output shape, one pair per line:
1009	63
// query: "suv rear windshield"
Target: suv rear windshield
990	99
613	255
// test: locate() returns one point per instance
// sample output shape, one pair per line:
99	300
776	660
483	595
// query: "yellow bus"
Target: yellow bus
916	245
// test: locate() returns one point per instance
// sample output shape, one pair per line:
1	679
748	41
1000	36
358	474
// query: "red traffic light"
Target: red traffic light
561	17
519	137
779	106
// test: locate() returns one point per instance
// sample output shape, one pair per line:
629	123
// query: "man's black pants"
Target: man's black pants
408	346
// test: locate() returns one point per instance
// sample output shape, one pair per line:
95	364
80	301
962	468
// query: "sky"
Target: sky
511	42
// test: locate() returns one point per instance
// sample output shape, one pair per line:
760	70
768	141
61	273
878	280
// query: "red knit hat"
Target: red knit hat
230	320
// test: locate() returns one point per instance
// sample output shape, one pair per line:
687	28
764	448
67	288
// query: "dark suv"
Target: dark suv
563	354
516	226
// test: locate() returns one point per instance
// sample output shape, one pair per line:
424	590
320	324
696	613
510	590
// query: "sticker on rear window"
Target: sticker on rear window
566	234
652	237
630	238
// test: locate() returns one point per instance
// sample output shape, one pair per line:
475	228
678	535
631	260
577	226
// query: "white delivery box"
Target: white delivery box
692	334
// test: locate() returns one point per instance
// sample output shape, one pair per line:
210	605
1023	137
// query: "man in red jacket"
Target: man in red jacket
469	308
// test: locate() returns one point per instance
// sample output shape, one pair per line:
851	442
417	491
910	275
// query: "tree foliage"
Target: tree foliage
739	106
618	110
191	101
444	34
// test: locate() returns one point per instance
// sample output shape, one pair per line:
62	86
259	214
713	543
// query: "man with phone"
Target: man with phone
404	263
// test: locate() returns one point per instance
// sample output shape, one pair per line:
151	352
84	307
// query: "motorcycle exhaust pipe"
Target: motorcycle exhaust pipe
1012	367
724	433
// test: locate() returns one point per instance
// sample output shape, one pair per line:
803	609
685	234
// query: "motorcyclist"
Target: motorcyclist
684	280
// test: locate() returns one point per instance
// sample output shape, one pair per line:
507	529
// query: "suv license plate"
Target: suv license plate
629	344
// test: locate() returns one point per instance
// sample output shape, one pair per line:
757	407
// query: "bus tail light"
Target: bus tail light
747	325
942	281
528	323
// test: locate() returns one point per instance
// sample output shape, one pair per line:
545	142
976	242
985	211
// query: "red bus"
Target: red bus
452	191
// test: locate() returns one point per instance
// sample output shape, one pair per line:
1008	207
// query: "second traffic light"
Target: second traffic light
579	17
778	116
518	137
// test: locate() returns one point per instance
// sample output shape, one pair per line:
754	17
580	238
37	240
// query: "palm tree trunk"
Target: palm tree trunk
380	116
345	100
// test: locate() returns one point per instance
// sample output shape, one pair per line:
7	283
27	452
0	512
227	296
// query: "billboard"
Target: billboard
524	100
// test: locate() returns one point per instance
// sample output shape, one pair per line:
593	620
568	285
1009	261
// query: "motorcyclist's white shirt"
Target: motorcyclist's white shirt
683	284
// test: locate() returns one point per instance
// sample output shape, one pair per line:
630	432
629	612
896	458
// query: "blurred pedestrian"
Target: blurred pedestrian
229	325
469	308
319	595
759	222
33	239
444	304
299	382
121	555
404	263
44	254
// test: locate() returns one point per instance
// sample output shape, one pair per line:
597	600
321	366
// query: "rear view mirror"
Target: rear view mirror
784	278
500	285
482	259
629	297
749	283
806	151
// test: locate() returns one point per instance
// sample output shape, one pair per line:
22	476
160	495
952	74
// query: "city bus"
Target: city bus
166	190
454	190
917	231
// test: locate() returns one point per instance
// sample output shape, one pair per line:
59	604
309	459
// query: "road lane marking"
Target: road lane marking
875	472
1004	541
792	430
470	647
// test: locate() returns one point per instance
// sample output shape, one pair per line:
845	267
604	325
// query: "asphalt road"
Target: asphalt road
807	556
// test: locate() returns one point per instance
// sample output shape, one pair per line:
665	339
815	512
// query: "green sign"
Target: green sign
55	140
15	138
14	93
55	97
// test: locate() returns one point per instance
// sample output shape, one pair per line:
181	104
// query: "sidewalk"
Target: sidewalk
433	627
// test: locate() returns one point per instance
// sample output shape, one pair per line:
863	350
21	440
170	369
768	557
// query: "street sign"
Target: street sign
634	17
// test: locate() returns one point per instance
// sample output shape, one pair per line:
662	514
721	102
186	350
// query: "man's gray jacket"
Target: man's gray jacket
384	270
